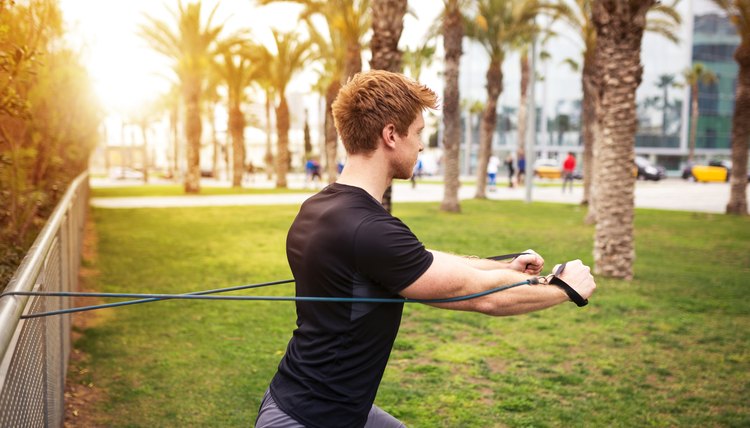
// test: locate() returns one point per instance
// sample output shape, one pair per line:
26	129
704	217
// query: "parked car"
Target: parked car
716	170
547	168
647	171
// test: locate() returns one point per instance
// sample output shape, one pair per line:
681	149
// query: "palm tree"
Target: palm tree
190	46
619	32
738	12
341	52
211	99
498	25
263	78
694	76
453	33
237	68
292	54
577	14
332	56
387	24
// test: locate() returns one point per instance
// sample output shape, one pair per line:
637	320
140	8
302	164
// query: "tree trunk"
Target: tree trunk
193	129
214	141
523	103
452	35
740	132
387	24
619	29
236	129
353	62
282	156
331	136
489	124
173	125
588	83
693	121
268	158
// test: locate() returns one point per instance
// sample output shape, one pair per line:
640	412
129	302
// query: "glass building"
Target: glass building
714	41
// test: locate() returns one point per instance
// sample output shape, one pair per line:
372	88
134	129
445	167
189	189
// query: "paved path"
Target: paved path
670	194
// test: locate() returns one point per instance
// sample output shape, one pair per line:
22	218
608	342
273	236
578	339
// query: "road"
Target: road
669	194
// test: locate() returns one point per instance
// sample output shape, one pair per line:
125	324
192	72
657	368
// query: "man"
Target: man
344	244
569	167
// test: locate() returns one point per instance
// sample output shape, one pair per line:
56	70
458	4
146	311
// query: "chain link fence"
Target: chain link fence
35	351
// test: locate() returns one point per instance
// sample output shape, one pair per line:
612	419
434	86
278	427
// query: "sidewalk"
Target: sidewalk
669	194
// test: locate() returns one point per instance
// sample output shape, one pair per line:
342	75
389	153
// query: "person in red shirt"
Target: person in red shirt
569	166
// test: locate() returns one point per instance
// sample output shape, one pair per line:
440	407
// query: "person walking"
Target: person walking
511	170
569	167
521	168
344	244
492	167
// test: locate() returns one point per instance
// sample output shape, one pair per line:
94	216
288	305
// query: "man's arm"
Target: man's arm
530	263
451	276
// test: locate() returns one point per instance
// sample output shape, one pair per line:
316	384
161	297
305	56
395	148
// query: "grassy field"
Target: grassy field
669	348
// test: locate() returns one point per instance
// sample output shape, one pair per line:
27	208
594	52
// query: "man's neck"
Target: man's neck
368	172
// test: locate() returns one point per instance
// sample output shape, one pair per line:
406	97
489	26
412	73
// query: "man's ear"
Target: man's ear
388	135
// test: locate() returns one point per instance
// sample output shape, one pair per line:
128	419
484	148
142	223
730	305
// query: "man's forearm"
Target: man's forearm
477	262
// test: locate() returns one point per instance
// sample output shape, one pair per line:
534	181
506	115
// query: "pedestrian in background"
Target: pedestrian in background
511	170
492	166
521	168
569	167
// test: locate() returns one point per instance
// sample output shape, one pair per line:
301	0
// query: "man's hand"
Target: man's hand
578	276
531	263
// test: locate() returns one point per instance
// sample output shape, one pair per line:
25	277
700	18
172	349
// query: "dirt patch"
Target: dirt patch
82	396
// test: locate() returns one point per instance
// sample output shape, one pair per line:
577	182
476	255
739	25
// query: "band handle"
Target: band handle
572	293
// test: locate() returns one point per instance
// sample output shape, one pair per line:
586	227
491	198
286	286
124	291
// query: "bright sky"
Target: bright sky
127	72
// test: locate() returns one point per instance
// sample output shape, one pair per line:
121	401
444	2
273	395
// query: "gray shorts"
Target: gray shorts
271	416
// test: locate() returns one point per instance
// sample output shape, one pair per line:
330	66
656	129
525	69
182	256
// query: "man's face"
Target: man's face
408	148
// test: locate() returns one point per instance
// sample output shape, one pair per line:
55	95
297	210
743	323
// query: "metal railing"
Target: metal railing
35	351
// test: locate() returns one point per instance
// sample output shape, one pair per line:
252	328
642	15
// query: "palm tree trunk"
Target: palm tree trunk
193	129
173	118
489	123
523	103
452	36
214	140
268	158
588	83
619	30
331	136
236	129
740	132
693	121
353	62
387	24
282	157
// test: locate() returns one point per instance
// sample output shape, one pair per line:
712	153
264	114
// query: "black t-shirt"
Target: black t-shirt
343	243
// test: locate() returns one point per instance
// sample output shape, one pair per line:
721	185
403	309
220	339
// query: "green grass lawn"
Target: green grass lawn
669	348
179	190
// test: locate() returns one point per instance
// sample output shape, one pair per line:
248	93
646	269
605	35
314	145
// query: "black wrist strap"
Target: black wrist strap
572	294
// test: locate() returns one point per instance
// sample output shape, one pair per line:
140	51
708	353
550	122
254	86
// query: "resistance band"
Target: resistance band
208	295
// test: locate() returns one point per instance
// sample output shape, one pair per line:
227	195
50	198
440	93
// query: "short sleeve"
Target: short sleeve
387	252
